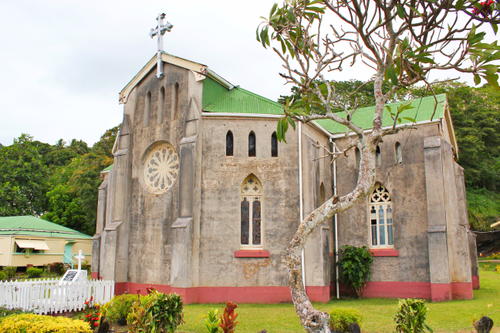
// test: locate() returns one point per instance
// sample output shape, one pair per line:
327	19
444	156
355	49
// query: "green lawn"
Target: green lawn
454	316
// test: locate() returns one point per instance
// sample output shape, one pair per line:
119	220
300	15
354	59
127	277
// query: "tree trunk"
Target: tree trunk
312	320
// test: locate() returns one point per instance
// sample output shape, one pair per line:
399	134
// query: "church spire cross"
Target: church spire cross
158	32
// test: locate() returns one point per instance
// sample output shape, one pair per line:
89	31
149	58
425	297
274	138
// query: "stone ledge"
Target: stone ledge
251	254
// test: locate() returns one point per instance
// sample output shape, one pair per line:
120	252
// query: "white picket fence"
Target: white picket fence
44	296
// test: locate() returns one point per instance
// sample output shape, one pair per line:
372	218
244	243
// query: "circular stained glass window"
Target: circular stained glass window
161	168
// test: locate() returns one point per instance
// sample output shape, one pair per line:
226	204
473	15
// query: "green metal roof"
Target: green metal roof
32	226
422	110
109	168
217	98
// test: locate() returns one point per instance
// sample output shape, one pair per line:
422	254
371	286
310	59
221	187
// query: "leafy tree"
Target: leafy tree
23	176
475	113
105	145
401	42
73	197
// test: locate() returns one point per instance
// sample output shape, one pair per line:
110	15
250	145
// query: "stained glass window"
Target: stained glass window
251	212
380	215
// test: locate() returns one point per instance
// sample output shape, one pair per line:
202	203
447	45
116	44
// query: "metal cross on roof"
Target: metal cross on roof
158	32
80	257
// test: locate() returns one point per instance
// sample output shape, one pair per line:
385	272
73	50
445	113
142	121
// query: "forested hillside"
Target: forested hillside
57	182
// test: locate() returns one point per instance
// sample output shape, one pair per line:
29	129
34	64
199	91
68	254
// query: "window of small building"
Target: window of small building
378	157
147	108
274	145
251	144
251	212
380	214
398	153
229	143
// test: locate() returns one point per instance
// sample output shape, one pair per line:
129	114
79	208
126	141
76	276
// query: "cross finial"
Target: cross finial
158	32
80	257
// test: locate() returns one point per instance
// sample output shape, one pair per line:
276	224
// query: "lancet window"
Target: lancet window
251	144
229	143
380	213
274	145
251	212
399	153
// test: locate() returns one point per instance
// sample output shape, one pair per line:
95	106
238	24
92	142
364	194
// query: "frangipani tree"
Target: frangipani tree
401	42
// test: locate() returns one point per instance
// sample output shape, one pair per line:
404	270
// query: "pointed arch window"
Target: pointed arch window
378	157
229	143
274	145
147	108
251	144
357	154
399	153
380	214
251	212
161	104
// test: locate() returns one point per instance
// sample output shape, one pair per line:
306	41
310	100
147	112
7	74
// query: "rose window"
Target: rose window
161	168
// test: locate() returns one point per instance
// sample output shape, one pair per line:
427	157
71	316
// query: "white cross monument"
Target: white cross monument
80	257
72	275
158	32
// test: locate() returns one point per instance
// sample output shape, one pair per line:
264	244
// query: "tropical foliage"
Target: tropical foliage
58	182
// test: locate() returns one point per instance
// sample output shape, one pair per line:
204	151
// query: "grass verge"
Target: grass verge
453	316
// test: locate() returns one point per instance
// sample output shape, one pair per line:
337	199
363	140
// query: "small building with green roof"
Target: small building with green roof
203	200
31	241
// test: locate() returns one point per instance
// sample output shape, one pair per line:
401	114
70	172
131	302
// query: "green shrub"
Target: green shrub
6	312
3	276
34	272
354	266
57	268
212	321
10	271
410	317
32	323
119	307
156	312
341	318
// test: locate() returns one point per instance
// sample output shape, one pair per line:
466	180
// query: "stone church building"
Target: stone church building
202	199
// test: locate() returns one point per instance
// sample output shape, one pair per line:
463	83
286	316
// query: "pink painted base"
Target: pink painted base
475	282
433	291
278	294
263	295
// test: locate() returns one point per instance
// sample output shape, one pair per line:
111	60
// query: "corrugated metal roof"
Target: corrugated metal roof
422	110
217	98
109	168
32	226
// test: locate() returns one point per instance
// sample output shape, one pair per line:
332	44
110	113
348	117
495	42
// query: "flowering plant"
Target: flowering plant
92	312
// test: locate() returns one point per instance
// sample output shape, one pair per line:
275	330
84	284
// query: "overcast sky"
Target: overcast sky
63	62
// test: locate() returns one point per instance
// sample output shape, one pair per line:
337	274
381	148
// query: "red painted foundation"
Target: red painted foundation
264	295
432	291
475	282
396	289
278	294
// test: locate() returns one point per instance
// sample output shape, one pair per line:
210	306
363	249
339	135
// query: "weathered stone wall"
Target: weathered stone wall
138	240
317	187
221	213
406	184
